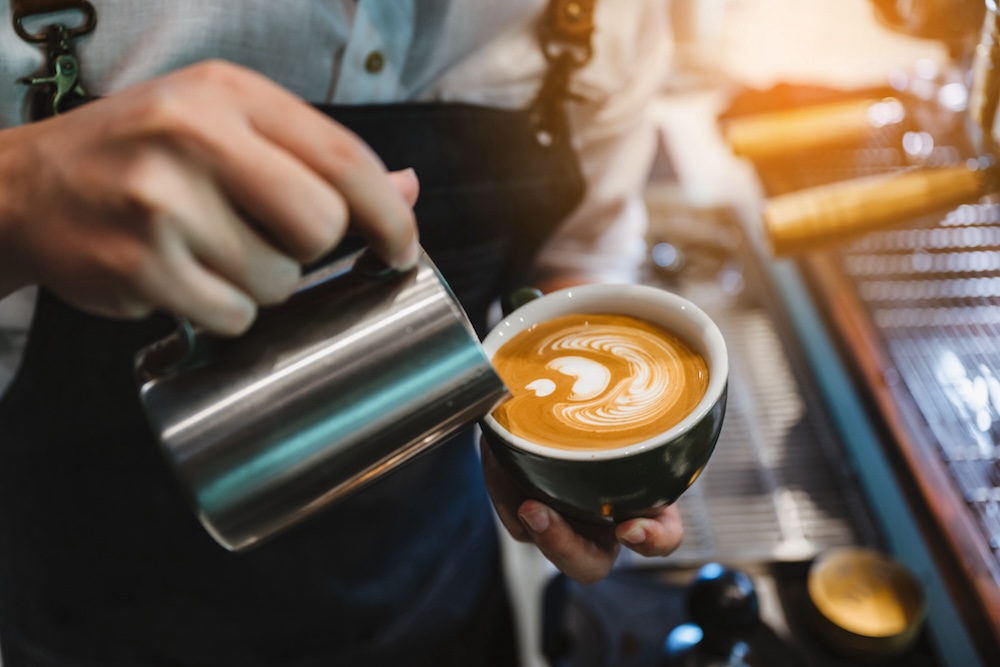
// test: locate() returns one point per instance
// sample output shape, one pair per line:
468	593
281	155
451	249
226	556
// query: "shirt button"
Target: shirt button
374	62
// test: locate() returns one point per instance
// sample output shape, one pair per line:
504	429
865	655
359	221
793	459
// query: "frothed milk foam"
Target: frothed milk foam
597	381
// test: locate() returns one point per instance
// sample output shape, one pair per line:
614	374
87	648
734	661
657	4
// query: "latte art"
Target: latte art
597	381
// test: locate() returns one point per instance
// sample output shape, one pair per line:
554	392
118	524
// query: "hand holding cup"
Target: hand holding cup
619	393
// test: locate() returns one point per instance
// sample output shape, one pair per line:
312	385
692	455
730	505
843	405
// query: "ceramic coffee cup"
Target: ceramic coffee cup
615	484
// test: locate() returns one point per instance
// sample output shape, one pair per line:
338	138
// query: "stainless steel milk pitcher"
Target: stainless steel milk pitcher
360	370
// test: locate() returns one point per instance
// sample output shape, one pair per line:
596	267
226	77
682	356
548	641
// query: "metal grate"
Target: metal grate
932	291
934	296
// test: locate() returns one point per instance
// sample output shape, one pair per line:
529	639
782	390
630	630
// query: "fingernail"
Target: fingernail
409	174
280	281
408	185
635	535
409	258
537	520
234	323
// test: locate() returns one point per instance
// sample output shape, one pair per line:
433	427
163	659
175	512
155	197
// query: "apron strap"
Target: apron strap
566	43
569	27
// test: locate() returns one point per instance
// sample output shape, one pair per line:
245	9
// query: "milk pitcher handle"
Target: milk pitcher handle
517	298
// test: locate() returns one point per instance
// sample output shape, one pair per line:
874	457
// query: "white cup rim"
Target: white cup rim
622	299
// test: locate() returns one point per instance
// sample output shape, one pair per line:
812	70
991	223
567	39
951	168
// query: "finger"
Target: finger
211	303
337	155
512	523
176	282
657	536
407	183
268	276
114	301
578	557
290	204
227	245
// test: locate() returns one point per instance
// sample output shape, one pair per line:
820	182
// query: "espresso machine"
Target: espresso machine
875	260
963	103
880	225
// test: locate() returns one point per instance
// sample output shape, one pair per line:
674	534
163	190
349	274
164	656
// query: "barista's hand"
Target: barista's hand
583	553
200	193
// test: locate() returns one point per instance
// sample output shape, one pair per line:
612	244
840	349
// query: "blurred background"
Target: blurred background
824	189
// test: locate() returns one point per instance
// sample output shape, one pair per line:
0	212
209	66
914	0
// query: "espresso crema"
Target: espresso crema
597	381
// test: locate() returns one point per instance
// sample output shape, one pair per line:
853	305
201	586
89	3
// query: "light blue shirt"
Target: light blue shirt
473	51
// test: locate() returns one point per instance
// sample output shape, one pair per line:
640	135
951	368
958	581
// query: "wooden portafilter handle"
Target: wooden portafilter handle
763	136
807	220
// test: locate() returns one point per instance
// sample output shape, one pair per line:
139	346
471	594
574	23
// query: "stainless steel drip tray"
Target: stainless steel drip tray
777	488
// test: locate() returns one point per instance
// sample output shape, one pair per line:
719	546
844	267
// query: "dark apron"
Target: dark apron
103	563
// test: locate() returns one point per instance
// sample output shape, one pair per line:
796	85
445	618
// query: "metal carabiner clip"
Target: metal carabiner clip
63	68
24	9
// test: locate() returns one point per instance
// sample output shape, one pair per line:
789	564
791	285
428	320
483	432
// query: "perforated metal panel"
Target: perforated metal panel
931	288
933	294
